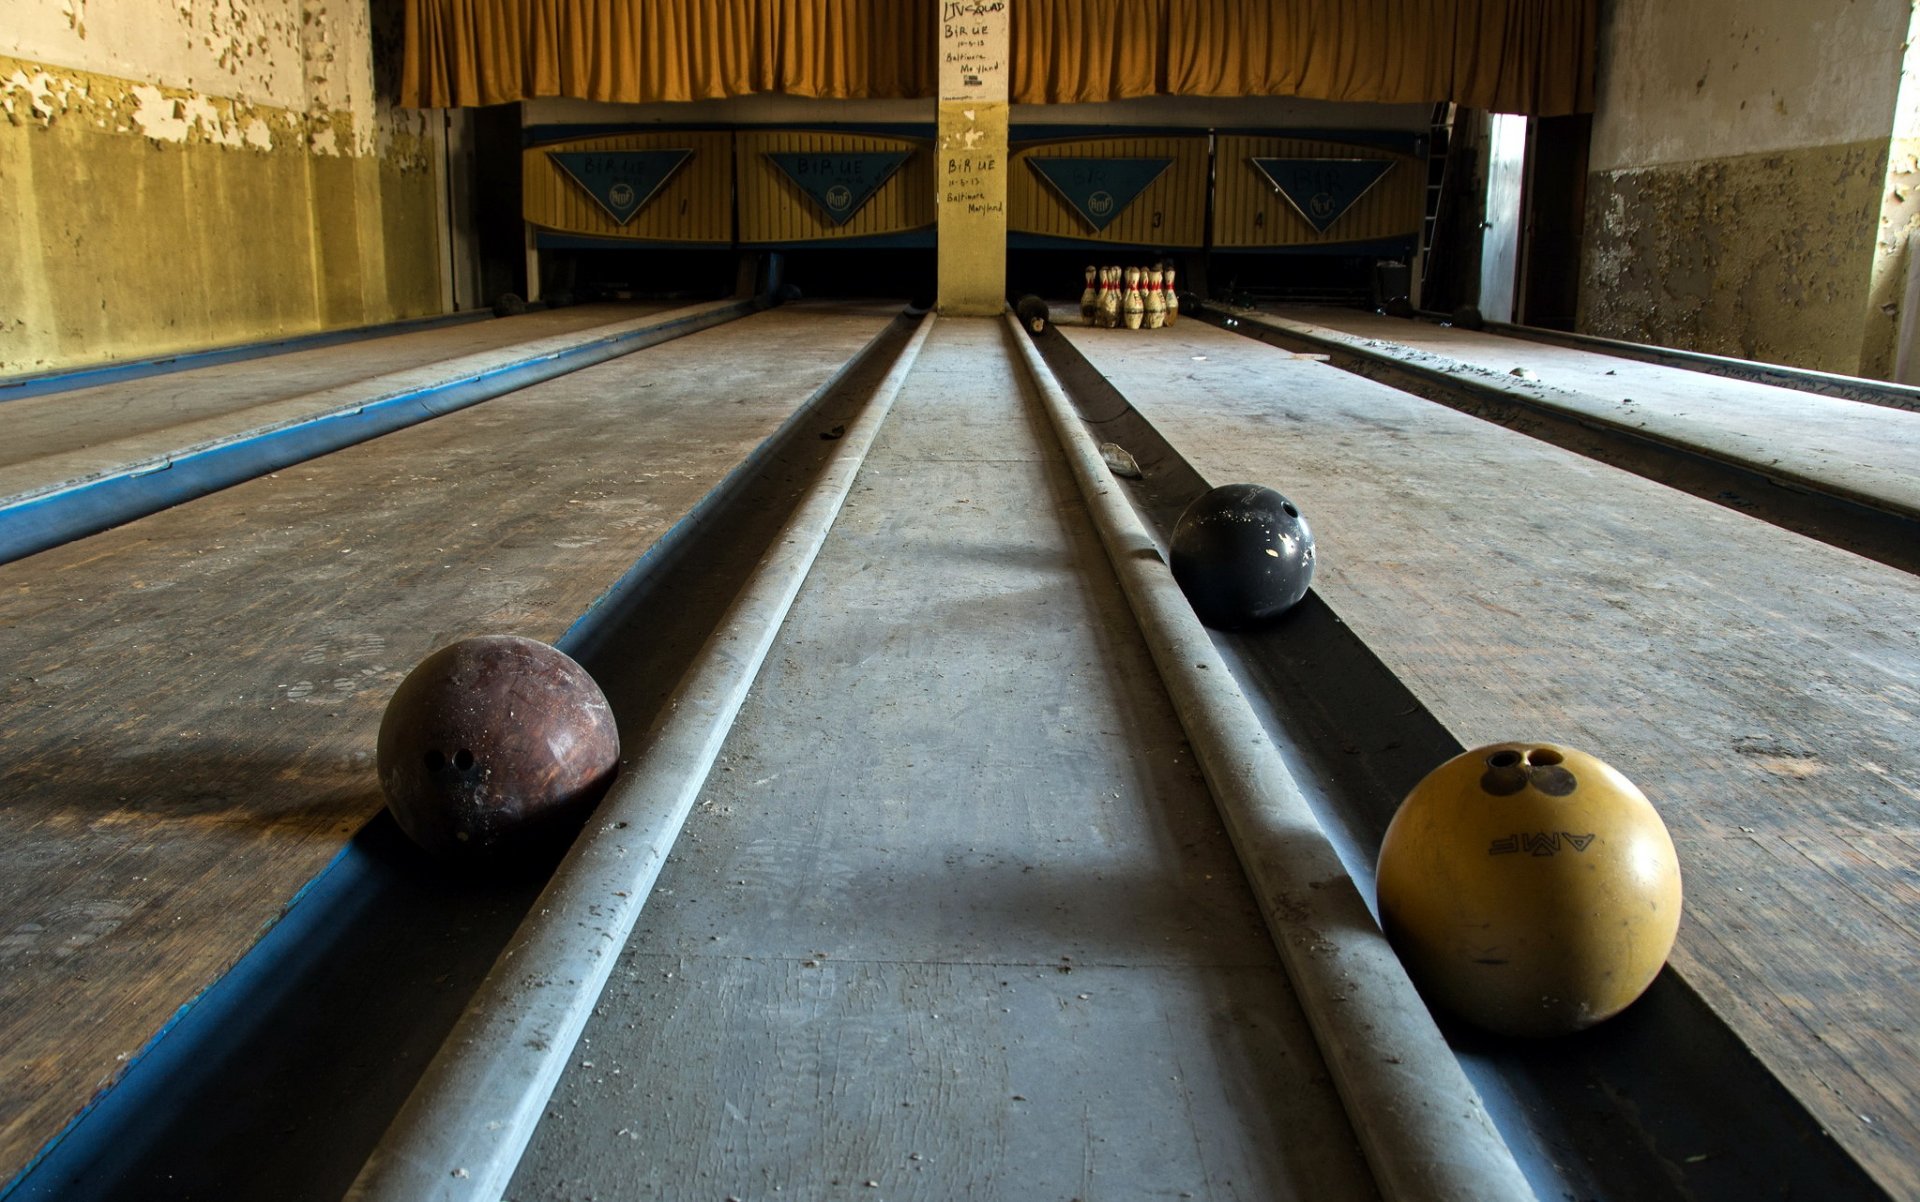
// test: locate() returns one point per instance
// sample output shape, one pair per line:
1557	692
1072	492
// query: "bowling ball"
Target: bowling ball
1529	888
495	746
509	304
1242	554
1468	317
1033	313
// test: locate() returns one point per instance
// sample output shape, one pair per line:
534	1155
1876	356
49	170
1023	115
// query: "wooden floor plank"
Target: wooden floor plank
1763	689
65	422
189	703
1850	448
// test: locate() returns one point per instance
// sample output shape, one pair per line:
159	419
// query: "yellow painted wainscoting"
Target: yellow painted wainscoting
774	210
694	205
1249	214
1171	212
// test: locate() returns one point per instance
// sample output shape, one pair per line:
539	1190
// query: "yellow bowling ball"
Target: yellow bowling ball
1529	888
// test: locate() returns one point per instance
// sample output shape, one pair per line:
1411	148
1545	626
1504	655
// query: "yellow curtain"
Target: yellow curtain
470	52
1071	51
1521	56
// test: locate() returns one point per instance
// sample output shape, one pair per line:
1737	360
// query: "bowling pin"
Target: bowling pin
1090	299
1136	309
1173	298
1110	298
1156	304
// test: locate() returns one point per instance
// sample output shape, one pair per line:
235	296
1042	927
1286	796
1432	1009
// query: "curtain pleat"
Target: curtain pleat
1519	56
1072	51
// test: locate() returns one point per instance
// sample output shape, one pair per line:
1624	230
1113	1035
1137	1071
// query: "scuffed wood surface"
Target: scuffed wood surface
1868	453
189	703
1763	689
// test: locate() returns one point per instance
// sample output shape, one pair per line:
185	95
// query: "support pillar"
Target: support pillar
971	170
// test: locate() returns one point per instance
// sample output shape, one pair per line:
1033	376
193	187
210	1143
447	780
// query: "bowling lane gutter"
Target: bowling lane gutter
461	1133
1857	519
1800	379
16	388
1424	1129
40	519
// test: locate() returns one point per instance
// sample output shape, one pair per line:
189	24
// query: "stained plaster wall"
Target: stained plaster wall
180	174
1737	174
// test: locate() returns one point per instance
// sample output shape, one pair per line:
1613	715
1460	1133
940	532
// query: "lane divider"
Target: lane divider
37	521
1347	348
461	1134
1423	1127
68	379
318	921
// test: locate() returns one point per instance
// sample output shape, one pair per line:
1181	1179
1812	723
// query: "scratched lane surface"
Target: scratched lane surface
189	702
1762	688
954	917
65	422
1869	453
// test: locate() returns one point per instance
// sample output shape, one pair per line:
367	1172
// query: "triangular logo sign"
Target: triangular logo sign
620	181
839	182
1322	190
1099	189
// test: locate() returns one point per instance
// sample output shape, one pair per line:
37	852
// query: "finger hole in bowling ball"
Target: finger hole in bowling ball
1543	757
1242	554
535	717
1503	759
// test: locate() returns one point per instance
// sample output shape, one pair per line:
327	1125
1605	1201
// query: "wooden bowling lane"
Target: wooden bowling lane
1866	453
955	916
66	423
188	711
1762	688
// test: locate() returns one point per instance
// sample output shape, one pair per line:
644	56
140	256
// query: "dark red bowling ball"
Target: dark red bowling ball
494	747
1242	554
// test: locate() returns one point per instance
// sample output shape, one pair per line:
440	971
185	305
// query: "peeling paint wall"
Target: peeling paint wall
1737	169
180	174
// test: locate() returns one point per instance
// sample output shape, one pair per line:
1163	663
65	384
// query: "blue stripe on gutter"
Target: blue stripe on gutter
296	941
50	519
14	388
318	921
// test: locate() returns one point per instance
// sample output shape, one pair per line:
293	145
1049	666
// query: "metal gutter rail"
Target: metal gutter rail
1424	1129
43	518
460	1135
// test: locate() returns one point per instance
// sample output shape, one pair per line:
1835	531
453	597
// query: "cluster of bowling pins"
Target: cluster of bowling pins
1133	297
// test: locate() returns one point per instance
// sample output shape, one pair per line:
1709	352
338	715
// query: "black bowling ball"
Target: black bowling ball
1034	314
1242	554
